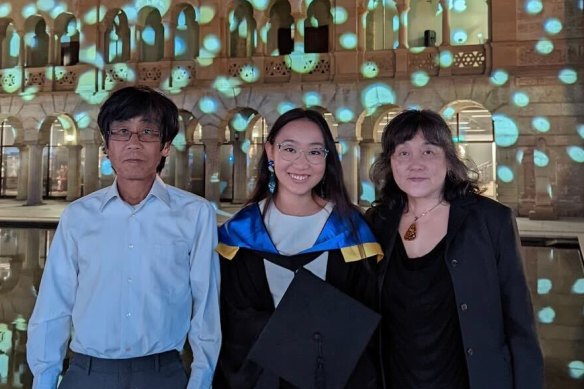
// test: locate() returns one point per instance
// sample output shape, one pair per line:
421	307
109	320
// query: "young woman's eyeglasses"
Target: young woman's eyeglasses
125	135
290	153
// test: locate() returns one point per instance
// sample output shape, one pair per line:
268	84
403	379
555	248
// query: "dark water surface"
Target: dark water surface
555	274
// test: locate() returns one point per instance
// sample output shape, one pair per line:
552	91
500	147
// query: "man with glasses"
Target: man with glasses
131	271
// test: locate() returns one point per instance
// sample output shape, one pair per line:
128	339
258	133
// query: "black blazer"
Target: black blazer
495	312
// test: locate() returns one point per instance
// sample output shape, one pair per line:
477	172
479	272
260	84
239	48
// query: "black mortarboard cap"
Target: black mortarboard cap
316	336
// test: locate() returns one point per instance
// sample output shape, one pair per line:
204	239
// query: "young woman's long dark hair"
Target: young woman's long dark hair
331	186
461	180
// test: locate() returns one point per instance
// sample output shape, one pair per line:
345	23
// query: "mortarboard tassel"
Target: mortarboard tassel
319	373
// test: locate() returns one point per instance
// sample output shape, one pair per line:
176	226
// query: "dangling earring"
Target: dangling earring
272	178
323	188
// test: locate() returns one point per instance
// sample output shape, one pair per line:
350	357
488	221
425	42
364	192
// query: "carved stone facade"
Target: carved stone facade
531	86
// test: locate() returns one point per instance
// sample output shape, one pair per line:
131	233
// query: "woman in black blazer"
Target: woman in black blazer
457	312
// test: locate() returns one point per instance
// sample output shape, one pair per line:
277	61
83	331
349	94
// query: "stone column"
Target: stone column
23	55
350	163
298	38
526	198
403	8
91	168
369	151
136	35
212	165
22	183
445	23
239	173
169	167
32	249
170	31
181	168
544	208
73	173
35	179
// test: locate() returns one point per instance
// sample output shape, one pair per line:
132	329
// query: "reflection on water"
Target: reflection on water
554	270
22	257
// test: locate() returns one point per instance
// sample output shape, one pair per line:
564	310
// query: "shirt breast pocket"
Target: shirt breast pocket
170	269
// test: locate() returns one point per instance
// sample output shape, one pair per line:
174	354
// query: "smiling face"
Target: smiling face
419	168
297	178
134	160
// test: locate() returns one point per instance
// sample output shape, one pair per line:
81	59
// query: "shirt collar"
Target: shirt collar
158	190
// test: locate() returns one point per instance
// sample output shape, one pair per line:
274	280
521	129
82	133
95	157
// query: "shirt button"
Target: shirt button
131	246
464	307
470	351
130	280
454	262
128	315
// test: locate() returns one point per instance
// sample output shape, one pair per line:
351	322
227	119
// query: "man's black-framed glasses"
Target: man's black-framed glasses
290	153
124	135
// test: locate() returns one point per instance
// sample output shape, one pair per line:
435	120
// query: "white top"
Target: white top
291	235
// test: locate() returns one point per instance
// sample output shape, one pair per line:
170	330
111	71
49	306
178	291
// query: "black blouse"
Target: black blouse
421	325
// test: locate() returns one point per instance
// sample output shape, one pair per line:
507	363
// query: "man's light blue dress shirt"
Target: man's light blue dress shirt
128	281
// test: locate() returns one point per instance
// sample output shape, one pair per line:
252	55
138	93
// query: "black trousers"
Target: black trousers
158	371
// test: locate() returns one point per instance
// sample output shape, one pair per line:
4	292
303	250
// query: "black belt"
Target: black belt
148	362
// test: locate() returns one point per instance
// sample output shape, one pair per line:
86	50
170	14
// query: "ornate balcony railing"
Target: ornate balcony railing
463	60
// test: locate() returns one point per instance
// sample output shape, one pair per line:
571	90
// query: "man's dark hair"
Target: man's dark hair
134	101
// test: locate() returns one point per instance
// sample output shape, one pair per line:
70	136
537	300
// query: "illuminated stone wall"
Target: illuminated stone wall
518	62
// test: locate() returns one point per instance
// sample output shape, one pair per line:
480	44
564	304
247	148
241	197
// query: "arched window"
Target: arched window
469	22
68	38
281	31
316	27
151	35
56	161
473	132
242	30
425	23
186	36
37	42
382	24
9	45
117	39
9	159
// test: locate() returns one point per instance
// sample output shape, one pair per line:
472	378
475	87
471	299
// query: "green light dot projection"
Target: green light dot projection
506	131
420	79
369	69
5	9
544	46
285	106
533	7
568	76
576	153
312	99
208	104
520	99
540	158
499	77
540	124
344	114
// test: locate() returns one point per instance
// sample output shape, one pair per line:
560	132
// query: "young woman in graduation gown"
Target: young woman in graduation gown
456	308
299	215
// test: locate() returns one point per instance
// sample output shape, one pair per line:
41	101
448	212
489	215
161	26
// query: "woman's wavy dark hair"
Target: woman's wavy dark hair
461	180
332	184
